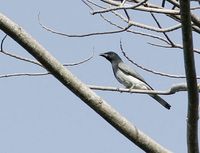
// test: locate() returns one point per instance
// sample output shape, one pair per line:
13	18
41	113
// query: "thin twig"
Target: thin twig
23	74
81	62
120	7
174	46
2	42
149	70
16	56
159	45
158	24
139	8
115	3
35	62
44	73
81	35
128	30
147	27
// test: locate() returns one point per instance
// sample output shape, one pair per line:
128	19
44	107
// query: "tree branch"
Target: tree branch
139	8
82	35
34	62
194	18
193	96
150	70
173	46
147	27
172	90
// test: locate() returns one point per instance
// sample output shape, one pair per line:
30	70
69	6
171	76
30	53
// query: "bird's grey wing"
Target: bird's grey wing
129	71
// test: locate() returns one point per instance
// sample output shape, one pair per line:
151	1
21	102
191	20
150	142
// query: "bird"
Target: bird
129	77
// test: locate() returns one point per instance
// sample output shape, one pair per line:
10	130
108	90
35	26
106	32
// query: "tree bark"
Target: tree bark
193	96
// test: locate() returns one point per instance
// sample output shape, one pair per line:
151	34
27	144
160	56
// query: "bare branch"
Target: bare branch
119	8
128	30
174	46
81	62
174	89
86	2
167	37
190	70
81	35
115	3
195	19
16	56
23	74
149	70
194	8
2	42
35	62
136	32
159	45
139	8
131	23
147	27
143	26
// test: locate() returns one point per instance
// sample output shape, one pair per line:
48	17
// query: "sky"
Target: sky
38	114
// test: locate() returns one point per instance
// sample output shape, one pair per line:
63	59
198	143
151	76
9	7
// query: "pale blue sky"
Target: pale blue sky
38	114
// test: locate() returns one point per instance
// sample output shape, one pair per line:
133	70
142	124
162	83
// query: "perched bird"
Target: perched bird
129	77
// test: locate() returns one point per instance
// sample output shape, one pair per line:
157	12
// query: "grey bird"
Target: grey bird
129	77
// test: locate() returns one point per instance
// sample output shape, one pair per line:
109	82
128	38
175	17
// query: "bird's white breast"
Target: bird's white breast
129	81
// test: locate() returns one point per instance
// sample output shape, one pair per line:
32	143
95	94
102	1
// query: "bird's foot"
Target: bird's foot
130	89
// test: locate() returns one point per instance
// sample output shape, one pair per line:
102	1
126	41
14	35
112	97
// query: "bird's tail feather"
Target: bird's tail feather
161	101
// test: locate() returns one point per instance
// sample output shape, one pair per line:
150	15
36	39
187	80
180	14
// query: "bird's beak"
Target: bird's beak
103	55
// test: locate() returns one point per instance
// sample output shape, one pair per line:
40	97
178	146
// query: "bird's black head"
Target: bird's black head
111	56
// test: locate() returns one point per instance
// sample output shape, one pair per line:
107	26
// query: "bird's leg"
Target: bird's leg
132	87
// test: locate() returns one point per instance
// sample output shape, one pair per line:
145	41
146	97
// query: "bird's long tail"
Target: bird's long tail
161	101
